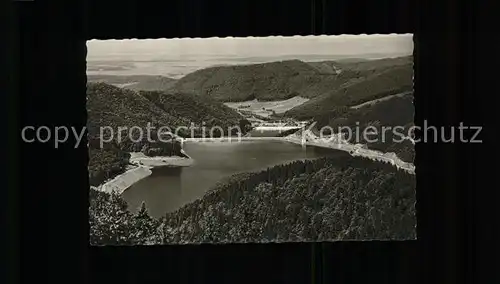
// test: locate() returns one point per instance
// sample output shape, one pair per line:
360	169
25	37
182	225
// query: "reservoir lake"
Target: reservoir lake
169	188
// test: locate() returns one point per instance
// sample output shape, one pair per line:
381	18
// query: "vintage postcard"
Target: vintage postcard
251	140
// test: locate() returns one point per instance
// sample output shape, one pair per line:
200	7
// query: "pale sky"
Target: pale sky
200	48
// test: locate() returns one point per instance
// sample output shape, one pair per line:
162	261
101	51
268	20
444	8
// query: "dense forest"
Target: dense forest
202	111
334	198
105	163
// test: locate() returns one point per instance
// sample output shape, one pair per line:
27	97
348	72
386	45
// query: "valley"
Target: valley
189	187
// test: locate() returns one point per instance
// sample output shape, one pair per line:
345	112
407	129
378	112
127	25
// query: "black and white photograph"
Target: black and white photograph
251	140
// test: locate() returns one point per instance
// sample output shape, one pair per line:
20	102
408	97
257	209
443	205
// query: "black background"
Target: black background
47	199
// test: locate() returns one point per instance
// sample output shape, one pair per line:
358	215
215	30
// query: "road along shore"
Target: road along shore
352	149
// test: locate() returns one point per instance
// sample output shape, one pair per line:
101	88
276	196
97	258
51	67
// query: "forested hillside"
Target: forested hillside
265	81
379	84
381	78
199	110
284	79
333	198
108	105
105	163
395	112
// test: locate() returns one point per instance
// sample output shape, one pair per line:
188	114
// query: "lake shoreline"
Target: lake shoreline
140	167
312	140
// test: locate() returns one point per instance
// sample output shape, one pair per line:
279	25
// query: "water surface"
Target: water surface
167	189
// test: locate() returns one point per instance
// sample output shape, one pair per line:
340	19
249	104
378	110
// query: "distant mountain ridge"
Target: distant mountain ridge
281	79
318	57
135	82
